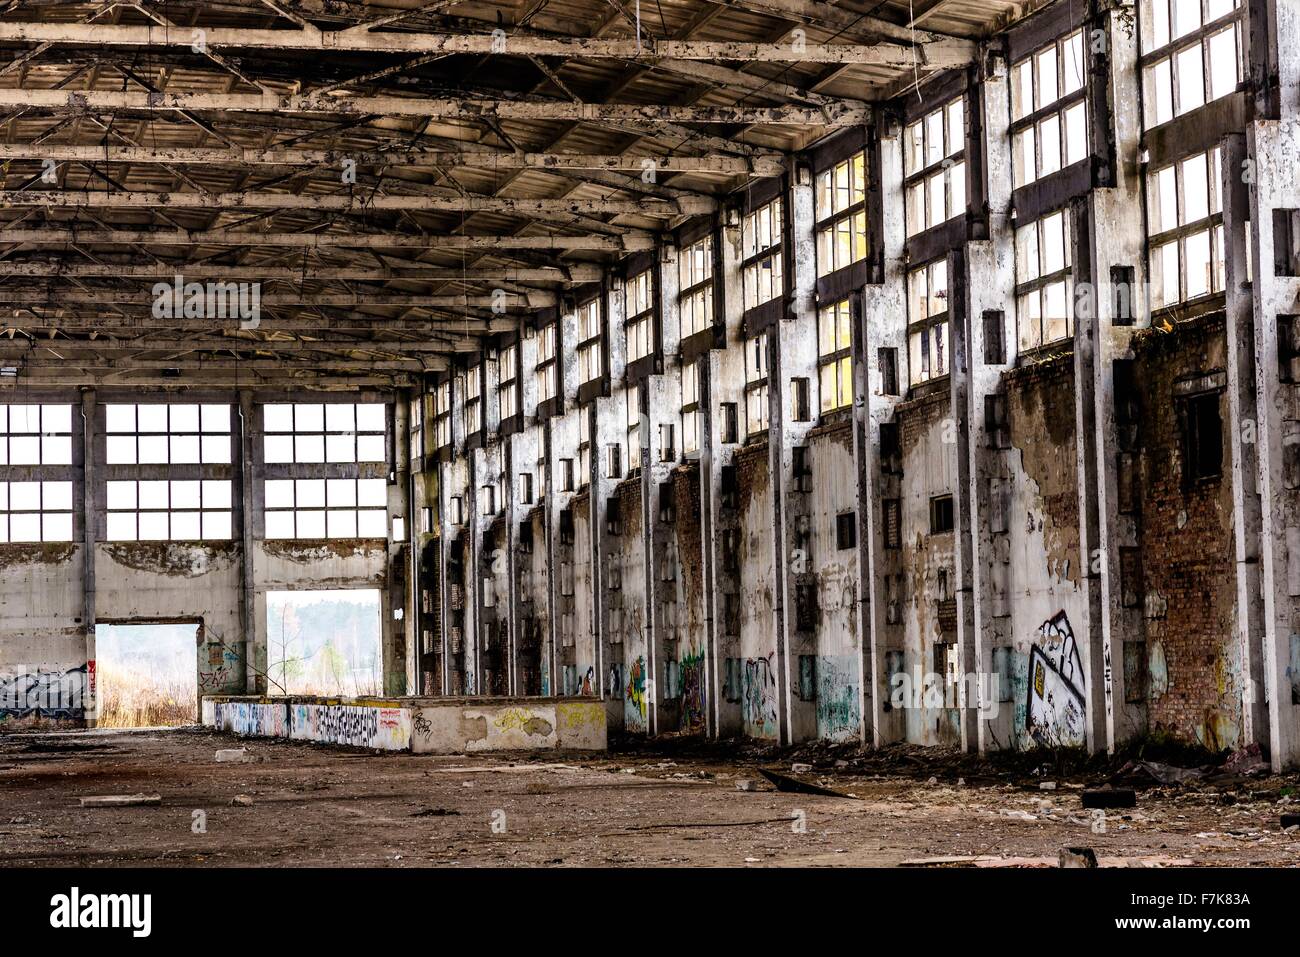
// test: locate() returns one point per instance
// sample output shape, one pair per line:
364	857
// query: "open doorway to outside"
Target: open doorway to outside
324	643
147	674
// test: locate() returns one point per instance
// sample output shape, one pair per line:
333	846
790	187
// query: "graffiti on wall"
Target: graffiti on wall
634	701
1057	708
758	698
838	710
387	729
253	719
46	694
692	679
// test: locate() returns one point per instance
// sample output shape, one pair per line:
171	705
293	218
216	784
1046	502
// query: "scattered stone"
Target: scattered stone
1047	785
242	800
236	755
1078	857
745	784
800	768
932	781
751	860
841	764
1109	797
122	800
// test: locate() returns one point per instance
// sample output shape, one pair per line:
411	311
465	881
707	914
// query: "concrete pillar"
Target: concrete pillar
91	504
250	499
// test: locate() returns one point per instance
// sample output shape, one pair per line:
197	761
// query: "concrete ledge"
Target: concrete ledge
420	725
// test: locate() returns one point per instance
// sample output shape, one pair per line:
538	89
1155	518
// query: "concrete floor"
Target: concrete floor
321	807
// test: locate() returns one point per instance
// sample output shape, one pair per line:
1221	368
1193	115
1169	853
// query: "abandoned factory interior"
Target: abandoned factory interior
636	379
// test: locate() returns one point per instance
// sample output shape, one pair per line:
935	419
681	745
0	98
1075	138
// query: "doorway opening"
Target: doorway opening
324	642
147	674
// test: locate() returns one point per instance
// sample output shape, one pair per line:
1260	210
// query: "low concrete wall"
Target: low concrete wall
421	725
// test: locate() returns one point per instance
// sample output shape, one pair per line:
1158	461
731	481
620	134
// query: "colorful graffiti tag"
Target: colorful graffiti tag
27	693
387	729
634	702
758	698
252	719
692	678
838	695
1057	708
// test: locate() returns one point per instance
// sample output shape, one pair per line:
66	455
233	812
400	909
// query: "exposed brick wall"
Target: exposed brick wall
1186	545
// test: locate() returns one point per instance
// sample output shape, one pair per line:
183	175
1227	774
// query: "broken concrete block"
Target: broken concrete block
1109	797
122	800
746	785
241	800
797	768
237	755
1078	857
1047	785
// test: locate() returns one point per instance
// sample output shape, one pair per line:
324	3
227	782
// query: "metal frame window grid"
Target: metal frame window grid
167	434
935	171
762	267
442	415
638	314
547	369
326	508
38	510
331	432
473	392
32	434
157	510
632	422
841	209
508	381
756	411
1185	241
690	380
695	279
1188	47
927	327
834	355
1044	288
590	342
1049	109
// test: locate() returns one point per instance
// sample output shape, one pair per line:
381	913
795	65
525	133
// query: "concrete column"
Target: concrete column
397	620
91	505
793	346
882	332
250	499
1272	146
984	347
561	439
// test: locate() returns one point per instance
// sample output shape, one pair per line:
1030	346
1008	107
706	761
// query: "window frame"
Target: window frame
756	385
924	325
838	358
509	361
1043	281
640	324
752	261
948	163
592	343
1210	225
547	368
1170	52
702	291
827	222
1039	113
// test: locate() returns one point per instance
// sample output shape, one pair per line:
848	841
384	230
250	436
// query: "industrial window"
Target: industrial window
846	530
584	449
927	327
334	432
167	434
892	526
638	311
1044	289
35	511
1202	437
841	214
326	508
632	416
159	511
690	408
834	359
36	435
941	514
442	415
756	384
1049	113
935	167
416	426
548	369
590	344
508	384
472	390
695	279
1185	223
763	261
1191	55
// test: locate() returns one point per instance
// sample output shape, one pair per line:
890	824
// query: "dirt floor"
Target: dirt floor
670	804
